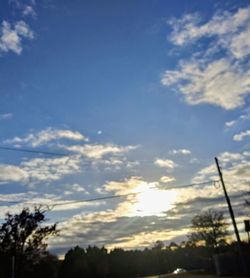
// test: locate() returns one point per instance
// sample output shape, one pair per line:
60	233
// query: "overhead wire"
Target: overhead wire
62	203
215	182
32	151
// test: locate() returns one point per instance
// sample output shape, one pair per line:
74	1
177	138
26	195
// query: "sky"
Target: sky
131	99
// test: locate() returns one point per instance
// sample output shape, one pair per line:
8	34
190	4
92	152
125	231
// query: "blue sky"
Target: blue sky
140	95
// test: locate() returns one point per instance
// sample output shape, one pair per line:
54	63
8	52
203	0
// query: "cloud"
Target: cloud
235	172
11	36
39	170
45	136
230	30
206	78
98	151
11	173
167	179
165	163
219	82
104	157
28	10
242	135
6	116
230	123
50	169
180	151
102	228
240	119
14	202
127	186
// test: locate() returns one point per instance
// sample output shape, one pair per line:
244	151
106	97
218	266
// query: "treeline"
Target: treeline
23	252
97	262
118	263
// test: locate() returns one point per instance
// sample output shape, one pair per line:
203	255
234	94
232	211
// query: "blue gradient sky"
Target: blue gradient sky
139	94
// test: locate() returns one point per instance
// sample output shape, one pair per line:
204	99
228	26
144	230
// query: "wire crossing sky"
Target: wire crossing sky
102	99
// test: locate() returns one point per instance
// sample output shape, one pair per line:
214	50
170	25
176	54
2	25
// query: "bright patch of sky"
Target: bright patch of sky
135	98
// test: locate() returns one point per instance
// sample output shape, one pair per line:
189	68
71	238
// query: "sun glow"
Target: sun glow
153	201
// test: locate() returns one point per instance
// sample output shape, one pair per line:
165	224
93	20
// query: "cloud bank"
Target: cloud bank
218	73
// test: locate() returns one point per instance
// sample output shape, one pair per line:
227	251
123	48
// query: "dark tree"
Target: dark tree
209	228
74	264
22	236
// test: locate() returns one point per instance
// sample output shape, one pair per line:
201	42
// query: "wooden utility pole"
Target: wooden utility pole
228	201
13	266
242	258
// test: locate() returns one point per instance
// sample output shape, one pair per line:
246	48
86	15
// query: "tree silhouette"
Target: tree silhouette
22	236
209	228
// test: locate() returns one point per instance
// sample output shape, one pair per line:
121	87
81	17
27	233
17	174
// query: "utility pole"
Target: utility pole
13	266
228	201
244	266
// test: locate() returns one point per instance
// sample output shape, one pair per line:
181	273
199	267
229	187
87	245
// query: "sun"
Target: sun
153	201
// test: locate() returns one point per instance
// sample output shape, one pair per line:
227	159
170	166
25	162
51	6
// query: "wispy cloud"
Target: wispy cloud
242	135
45	136
219	82
235	171
12	33
126	186
28	10
11	173
165	163
230	30
230	123
240	119
205	78
11	36
37	170
167	179
50	169
98	151
6	116
180	151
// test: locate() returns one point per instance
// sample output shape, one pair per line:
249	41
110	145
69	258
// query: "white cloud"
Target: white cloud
6	116
180	151
242	135
37	170
29	11
78	188
241	118
230	30
240	43
98	151
11	36
194	160
167	179
230	123
47	135
165	163
235	168
69	189
205	78
11	173
50	169
219	83
127	186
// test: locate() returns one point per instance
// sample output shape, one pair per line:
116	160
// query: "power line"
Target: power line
193	184
32	151
87	200
108	197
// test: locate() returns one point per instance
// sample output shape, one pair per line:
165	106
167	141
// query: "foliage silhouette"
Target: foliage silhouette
22	238
209	228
